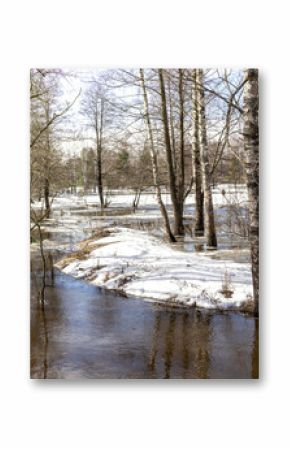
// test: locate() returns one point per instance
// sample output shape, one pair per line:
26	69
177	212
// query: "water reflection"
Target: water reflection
255	351
155	338
169	344
185	343
80	332
45	340
39	328
202	331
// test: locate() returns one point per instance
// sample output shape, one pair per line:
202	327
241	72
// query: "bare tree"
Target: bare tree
154	161
251	139
181	168
210	233
94	108
41	87
47	112
196	166
99	126
176	189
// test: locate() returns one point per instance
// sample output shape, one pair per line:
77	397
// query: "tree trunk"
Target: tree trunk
85	170
154	162
209	223
176	203
46	194
251	142
196	166
171	119
99	177
99	124
136	199
180	172
46	162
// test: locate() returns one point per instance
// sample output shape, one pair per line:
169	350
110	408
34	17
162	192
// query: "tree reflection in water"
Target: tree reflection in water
255	351
180	344
169	344
78	331
45	331
201	343
185	358
155	338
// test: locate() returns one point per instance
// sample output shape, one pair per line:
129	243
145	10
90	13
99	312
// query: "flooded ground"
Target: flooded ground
81	331
89	333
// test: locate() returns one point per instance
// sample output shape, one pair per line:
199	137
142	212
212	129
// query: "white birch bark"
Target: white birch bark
251	143
154	161
209	224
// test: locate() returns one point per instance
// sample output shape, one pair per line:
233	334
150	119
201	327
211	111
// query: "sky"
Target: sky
75	129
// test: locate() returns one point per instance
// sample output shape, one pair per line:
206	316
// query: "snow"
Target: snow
223	194
140	265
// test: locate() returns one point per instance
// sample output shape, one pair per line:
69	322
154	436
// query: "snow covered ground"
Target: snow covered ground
223	194
140	265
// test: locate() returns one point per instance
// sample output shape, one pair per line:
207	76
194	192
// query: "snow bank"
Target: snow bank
140	265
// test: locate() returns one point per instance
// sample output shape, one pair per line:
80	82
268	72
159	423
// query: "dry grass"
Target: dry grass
85	248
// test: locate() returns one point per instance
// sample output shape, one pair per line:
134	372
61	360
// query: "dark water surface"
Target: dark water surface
85	332
81	331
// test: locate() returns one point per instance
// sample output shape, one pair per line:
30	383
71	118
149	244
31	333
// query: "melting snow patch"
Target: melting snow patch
140	265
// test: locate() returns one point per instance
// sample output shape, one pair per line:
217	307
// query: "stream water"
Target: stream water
81	331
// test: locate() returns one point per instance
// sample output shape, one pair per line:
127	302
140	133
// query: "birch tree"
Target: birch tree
154	161
176	181
209	224
196	166
251	142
